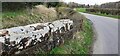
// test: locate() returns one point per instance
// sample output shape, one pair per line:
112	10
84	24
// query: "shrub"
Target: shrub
104	11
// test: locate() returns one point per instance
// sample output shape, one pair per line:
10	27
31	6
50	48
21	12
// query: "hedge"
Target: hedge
104	11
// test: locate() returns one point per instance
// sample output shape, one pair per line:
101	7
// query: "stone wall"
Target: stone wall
46	36
56	32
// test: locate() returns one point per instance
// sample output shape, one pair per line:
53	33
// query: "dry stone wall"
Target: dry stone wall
47	36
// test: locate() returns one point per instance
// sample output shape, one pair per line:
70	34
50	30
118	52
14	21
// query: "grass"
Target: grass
84	11
0	20
81	9
15	18
81	45
12	14
77	46
23	17
0	15
113	16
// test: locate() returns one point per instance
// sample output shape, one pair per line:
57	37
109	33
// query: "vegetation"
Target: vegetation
23	13
111	5
110	9
105	12
102	12
0	15
80	45
0	20
113	16
81	9
23	16
12	19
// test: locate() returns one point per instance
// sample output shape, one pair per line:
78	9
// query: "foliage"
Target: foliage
24	17
81	9
111	5
53	4
113	16
16	6
80	45
104	11
13	6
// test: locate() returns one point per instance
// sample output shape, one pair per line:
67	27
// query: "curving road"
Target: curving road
107	34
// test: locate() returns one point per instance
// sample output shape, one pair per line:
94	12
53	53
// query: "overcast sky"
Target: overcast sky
91	2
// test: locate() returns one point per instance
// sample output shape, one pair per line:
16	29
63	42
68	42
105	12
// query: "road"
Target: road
106	29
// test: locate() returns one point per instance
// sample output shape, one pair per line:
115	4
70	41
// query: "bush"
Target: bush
104	11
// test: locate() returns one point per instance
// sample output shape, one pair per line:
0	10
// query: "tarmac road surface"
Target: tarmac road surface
107	34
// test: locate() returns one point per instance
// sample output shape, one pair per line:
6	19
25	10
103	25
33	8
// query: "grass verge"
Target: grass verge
81	9
84	11
113	16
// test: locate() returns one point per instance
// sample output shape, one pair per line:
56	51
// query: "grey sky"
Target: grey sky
91	2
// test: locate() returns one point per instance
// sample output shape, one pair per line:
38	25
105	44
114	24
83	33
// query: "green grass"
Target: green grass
84	10
25	17
15	18
0	20
11	14
19	18
87	33
81	45
74	46
81	9
0	15
113	16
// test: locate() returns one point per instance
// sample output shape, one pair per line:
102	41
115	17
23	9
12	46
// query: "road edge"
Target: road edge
93	39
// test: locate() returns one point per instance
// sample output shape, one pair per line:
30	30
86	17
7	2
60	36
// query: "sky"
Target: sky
91	2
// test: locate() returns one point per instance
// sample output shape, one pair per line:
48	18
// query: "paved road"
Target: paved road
107	34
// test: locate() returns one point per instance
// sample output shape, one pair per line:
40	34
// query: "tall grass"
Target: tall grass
25	17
